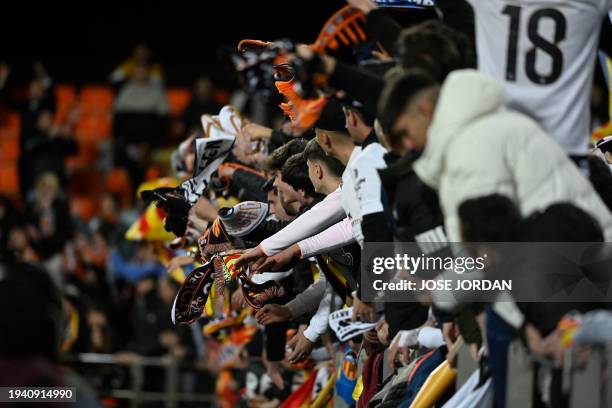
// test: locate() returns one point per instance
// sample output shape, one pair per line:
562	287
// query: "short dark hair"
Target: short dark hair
562	222
280	155
435	48
314	152
295	173
366	117
396	95
491	218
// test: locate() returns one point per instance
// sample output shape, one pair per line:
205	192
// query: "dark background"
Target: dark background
83	42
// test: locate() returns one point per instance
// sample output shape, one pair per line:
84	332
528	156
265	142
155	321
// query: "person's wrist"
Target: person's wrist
296	251
265	132
310	334
329	64
286	312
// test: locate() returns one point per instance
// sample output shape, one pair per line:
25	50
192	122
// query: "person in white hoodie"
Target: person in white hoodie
475	146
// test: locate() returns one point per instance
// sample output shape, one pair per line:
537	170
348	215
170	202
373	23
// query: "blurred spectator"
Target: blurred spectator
30	341
29	344
141	94
50	224
77	338
107	222
39	97
140	121
201	102
140	55
177	340
9	218
149	318
143	263
90	270
19	246
45	151
102	334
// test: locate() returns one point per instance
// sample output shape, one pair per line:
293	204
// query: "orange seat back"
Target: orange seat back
118	183
65	97
96	99
9	148
93	126
178	99
9	120
86	156
84	207
9	179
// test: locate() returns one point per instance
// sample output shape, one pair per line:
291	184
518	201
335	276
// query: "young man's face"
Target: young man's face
289	198
412	124
276	207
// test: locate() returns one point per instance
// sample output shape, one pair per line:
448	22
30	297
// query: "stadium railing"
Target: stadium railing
170	395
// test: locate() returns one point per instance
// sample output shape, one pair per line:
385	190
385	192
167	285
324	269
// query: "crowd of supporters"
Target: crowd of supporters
233	235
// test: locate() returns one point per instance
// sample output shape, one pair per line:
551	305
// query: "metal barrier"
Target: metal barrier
171	395
587	385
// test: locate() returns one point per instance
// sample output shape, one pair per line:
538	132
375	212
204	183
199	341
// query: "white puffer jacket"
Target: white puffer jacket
476	147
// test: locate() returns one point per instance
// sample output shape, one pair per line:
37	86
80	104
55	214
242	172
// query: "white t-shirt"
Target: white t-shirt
544	53
361	185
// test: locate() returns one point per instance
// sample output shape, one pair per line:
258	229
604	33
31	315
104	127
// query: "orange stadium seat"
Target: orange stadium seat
86	156
9	148
65	96
93	126
118	183
222	96
96	99
9	120
9	133
178	99
9	179
84	207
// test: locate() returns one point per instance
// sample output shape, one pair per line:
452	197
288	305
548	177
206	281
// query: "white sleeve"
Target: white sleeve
319	217
430	337
320	321
336	236
309	299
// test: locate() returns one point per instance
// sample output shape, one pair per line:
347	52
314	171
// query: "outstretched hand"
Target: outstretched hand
178	262
256	132
277	262
250	256
364	5
301	346
273	313
363	311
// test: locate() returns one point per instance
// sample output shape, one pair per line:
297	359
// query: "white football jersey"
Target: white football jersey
544	52
361	185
